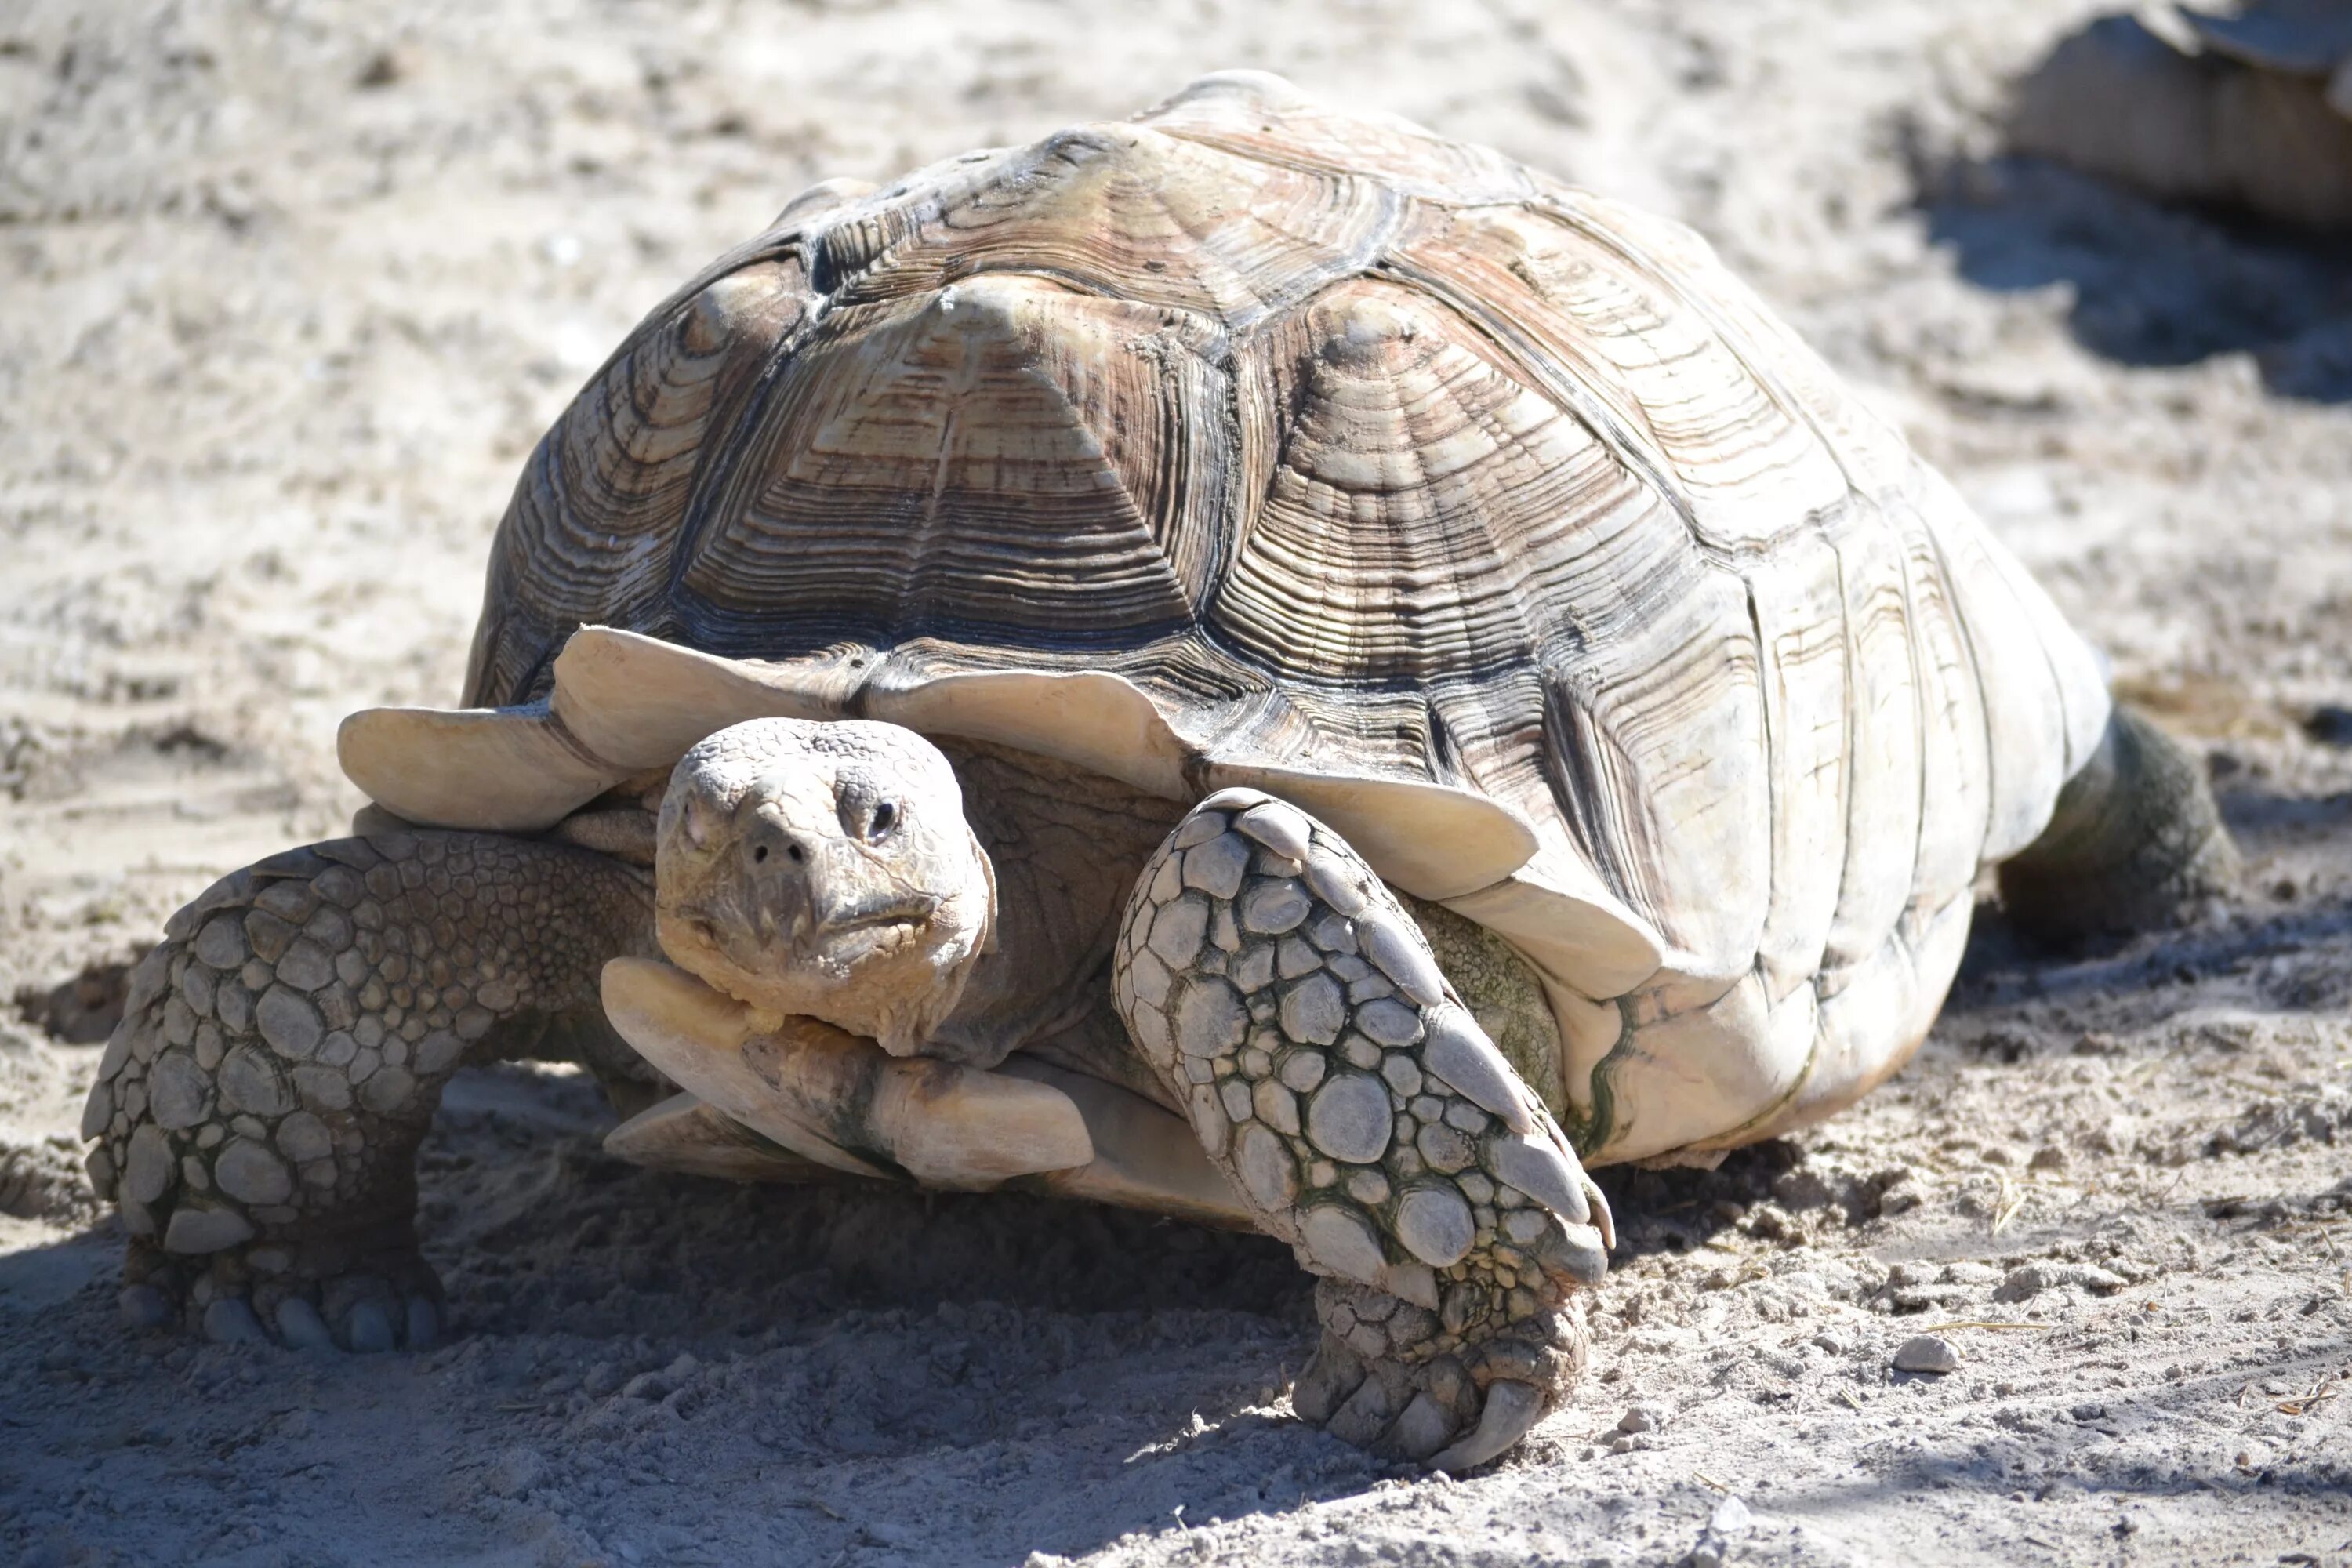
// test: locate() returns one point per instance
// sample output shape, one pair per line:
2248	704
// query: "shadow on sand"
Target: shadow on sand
2153	285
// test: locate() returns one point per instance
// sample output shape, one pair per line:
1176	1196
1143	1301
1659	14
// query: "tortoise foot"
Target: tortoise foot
1380	1381
360	1293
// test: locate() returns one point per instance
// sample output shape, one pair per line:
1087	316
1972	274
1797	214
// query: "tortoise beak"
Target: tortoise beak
809	888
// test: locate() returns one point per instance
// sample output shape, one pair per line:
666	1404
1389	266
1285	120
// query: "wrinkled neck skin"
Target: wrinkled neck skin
824	871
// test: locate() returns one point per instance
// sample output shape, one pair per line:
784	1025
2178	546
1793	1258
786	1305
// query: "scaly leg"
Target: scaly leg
2134	843
280	1053
1293	1006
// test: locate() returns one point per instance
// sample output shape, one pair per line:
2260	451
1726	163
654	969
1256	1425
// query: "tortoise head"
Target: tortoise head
825	871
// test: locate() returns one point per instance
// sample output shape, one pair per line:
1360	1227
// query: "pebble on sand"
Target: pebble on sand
1925	1353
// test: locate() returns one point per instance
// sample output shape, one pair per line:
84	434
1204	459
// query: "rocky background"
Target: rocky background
287	293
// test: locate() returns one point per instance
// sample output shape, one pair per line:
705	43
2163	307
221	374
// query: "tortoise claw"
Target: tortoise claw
1512	1408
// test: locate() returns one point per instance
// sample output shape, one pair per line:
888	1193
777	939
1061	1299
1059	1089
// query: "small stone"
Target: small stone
1215	868
252	1174
1313	1010
1281	828
1211	1017
1348	1119
1638	1418
1926	1353
1275	1106
1434	1225
1339	1242
289	1023
2025	1283
1302	1070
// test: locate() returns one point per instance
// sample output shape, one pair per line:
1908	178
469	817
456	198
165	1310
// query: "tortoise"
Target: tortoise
1256	663
2250	108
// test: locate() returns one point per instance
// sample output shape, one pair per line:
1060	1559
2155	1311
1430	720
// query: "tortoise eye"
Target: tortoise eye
886	818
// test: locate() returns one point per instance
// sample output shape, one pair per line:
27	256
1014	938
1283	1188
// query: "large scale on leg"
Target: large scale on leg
1558	610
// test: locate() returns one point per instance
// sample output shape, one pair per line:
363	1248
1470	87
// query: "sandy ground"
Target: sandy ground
289	292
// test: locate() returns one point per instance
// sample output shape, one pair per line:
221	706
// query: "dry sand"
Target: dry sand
289	292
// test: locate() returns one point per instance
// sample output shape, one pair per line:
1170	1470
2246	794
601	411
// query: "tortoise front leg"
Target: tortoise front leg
281	1052
1293	1006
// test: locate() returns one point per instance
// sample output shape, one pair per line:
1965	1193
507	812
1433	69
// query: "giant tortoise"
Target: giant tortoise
1254	662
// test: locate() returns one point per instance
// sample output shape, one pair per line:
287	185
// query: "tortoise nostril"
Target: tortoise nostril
760	852
793	853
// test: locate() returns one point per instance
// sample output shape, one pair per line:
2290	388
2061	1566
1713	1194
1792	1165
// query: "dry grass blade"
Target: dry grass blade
1974	1323
2012	1199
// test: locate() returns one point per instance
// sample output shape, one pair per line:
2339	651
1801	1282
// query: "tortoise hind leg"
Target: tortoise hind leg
1292	1009
260	1106
2134	843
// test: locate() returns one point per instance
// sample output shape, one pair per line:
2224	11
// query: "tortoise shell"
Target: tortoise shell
1250	441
